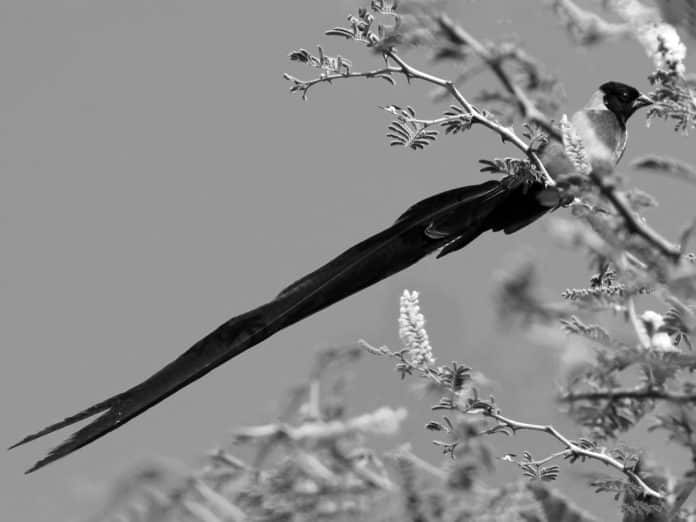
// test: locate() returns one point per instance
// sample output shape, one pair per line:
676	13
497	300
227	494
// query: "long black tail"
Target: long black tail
451	220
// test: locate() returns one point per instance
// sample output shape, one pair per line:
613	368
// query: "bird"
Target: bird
443	223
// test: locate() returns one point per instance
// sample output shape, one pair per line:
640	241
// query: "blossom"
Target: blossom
412	331
652	322
663	342
659	39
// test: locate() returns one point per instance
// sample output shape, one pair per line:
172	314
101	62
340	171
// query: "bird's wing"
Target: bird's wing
450	219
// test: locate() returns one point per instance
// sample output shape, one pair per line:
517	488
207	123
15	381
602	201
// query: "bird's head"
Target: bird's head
623	100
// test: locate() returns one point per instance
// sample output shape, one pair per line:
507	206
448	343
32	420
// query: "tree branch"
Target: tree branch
639	393
573	449
618	200
528	109
303	86
487	409
525	105
410	72
507	134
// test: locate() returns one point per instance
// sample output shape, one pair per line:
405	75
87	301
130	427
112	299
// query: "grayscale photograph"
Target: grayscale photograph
350	260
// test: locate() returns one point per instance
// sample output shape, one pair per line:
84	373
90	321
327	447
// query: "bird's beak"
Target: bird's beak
642	101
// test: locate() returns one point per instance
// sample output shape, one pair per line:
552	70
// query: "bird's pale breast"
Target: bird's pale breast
603	136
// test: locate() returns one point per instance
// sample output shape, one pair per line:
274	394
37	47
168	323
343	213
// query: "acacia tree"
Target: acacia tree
326	469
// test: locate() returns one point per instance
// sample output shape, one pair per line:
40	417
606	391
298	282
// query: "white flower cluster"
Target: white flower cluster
664	46
412	330
659	39
575	149
658	340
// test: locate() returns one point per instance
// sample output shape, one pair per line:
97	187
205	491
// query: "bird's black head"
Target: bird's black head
623	100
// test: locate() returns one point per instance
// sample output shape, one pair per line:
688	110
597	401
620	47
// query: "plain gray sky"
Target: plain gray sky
158	178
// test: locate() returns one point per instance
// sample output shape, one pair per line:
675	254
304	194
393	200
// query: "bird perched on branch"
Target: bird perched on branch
442	223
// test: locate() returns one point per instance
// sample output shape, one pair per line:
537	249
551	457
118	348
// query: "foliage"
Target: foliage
317	465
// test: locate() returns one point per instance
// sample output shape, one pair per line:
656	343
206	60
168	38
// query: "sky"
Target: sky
158	178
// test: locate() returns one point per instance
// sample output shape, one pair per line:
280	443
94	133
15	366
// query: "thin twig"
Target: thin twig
620	203
489	410
526	106
563	453
507	134
424	371
571	447
305	85
410	72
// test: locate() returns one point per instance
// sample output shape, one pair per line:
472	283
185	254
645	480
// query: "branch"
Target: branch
495	62
477	116
640	393
507	134
303	86
618	200
404	365
339	68
571	448
563	453
477	407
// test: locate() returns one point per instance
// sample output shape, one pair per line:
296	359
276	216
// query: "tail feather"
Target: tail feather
230	339
448	220
100	426
84	414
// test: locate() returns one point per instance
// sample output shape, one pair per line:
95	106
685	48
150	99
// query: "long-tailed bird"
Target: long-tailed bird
445	222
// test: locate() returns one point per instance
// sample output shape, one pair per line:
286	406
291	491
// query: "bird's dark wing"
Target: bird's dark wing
450	220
